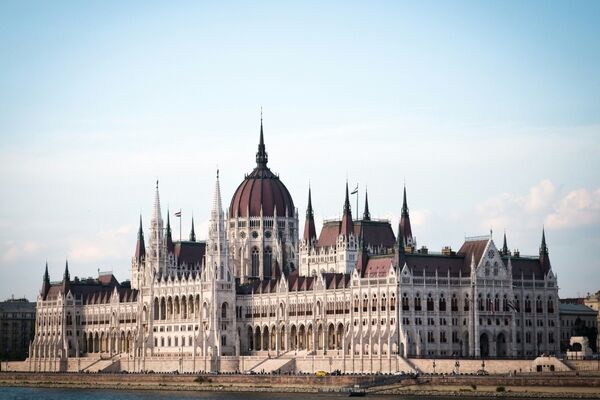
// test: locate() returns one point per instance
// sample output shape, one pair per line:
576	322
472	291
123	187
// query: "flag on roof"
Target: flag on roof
178	214
355	190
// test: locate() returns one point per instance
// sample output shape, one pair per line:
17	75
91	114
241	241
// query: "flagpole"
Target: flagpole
356	201
180	225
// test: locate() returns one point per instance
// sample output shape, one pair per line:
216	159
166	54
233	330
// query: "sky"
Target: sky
489	112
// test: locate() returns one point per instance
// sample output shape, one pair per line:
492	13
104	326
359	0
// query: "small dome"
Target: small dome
261	189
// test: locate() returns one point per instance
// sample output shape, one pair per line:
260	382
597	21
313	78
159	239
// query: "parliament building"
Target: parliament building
262	295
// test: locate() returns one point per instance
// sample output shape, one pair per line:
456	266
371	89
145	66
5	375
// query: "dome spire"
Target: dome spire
261	154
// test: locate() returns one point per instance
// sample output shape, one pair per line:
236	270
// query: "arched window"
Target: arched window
527	304
442	305
466	302
268	262
224	310
222	272
405	304
429	302
454	303
417	302
255	260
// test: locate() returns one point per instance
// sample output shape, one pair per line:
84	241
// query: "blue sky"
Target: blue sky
490	111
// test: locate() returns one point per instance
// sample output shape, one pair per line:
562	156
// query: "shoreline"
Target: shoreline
420	387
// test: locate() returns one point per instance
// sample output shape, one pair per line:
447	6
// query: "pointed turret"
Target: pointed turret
544	255
363	255
543	247
66	279
505	251
310	233
261	155
404	229
347	225
66	275
192	233
216	245
169	235
156	236
366	213
140	247
217	207
156	214
46	283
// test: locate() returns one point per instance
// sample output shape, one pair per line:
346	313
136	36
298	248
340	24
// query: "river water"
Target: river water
24	393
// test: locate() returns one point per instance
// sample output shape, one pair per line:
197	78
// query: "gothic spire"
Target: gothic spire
46	283
366	213
544	256
46	274
169	235
505	246
310	232
543	247
217	209
261	154
404	228
66	284
66	275
140	247
404	204
156	214
192	233
347	226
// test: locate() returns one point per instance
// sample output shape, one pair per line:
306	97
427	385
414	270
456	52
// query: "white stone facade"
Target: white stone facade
363	310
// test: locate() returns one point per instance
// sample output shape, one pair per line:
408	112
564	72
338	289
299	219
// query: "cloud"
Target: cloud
108	243
543	203
14	250
578	208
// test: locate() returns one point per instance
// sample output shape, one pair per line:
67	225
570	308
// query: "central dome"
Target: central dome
261	189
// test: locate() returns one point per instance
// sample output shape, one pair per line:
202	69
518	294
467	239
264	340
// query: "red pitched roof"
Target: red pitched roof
378	267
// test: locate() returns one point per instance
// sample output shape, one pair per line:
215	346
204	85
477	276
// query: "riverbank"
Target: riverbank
532	386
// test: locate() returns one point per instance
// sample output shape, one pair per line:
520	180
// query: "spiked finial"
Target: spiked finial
366	213
404	204
66	275
46	274
261	155
168	222
543	247
309	209
140	247
310	232
347	201
140	231
347	226
404	229
505	246
192	233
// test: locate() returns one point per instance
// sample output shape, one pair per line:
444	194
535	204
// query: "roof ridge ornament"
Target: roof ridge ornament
261	155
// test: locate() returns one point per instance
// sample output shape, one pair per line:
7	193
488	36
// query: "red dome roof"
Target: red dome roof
261	188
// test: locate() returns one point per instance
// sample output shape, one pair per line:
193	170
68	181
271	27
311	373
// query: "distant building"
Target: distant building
17	321
593	301
577	320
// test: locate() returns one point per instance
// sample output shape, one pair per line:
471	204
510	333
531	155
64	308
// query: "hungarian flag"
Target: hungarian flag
355	190
178	214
